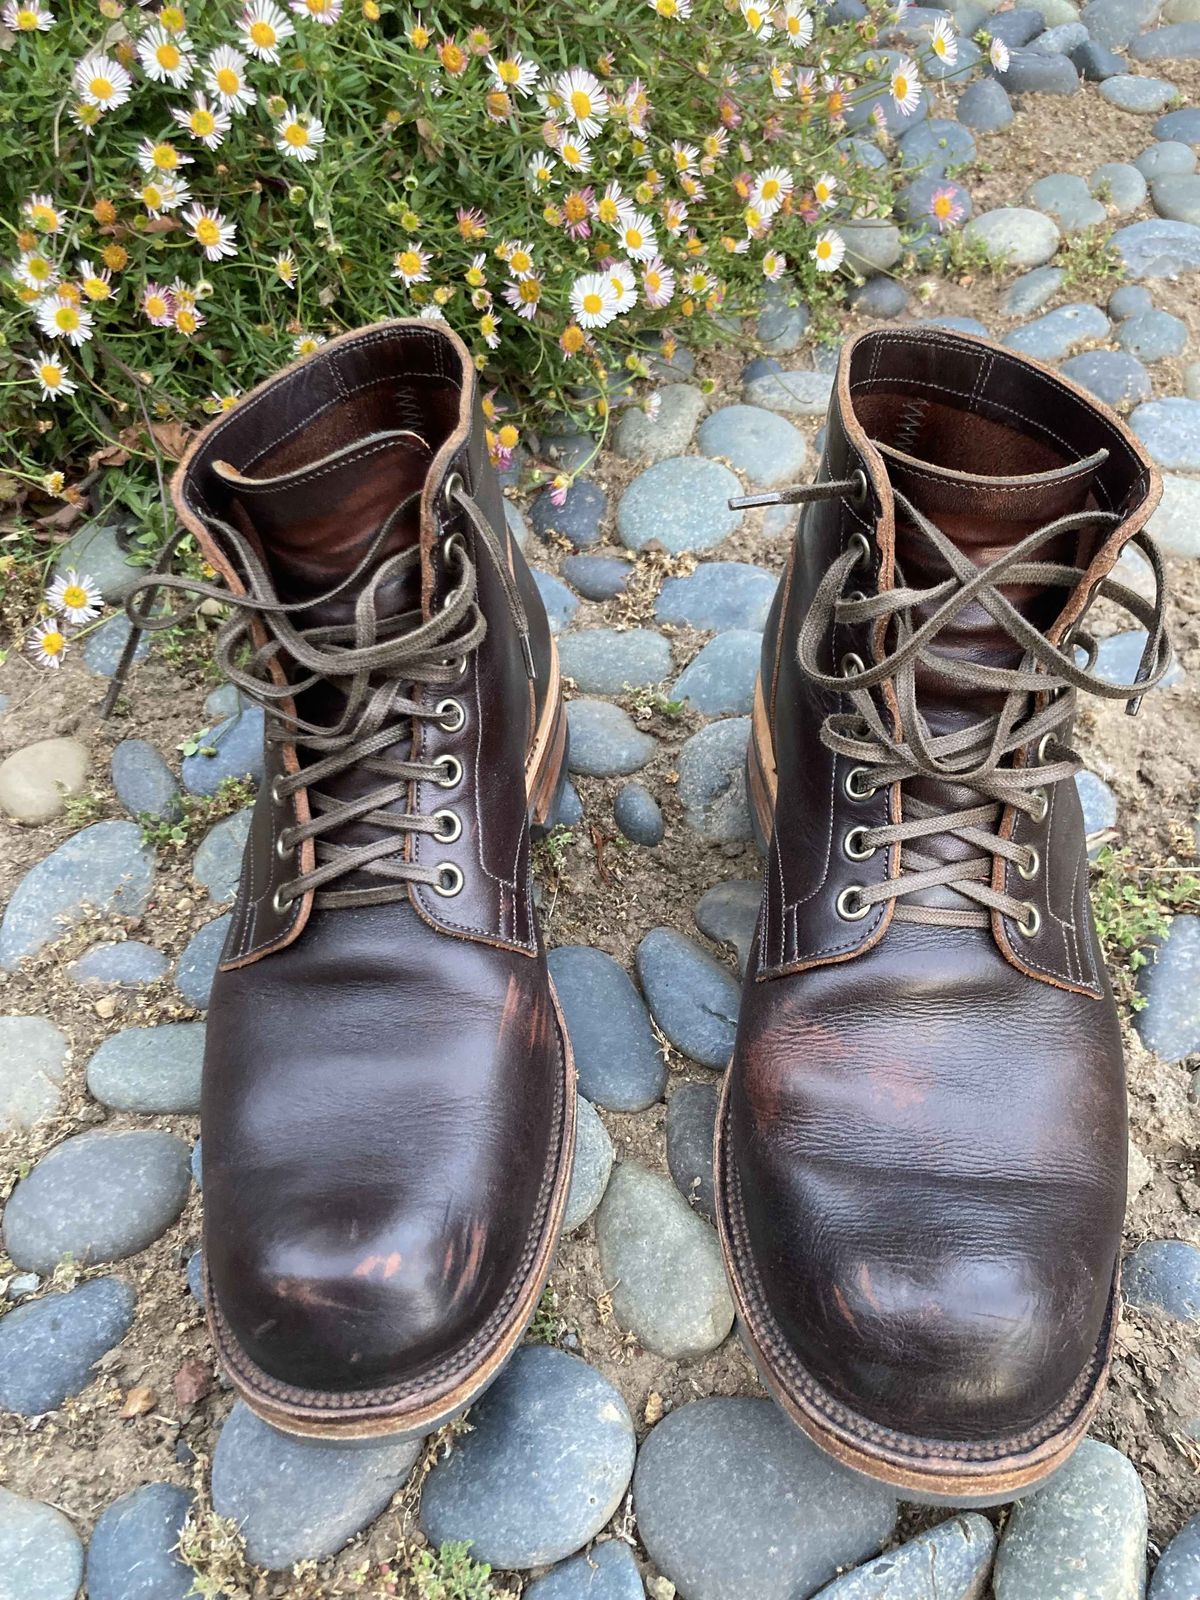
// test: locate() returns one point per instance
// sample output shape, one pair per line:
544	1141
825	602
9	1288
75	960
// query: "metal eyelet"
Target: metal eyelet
850	905
854	848
1028	928
279	902
282	848
450	715
853	595
451	487
451	831
449	880
453	769
861	490
452	545
851	665
1030	869
275	794
1043	804
851	786
1044	744
457	665
860	542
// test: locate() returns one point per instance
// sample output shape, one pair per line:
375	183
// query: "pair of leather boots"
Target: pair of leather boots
921	1146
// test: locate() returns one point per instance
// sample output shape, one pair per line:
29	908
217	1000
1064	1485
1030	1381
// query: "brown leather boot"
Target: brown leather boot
388	1103
921	1147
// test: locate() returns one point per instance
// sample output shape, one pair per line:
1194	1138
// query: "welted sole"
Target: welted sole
936	1471
463	1375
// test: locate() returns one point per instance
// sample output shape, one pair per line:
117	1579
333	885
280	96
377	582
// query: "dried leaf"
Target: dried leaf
138	1402
171	438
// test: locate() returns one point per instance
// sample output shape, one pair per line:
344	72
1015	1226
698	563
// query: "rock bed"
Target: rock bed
632	1418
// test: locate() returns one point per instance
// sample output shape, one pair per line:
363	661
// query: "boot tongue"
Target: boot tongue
984	517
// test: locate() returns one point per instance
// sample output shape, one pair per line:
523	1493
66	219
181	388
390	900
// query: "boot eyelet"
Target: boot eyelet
860	542
450	488
1042	800
857	785
1029	927
449	880
450	715
283	847
861	490
1030	869
850	905
1044	744
452	828
854	847
281	901
853	595
452	545
452	767
851	665
275	794
457	665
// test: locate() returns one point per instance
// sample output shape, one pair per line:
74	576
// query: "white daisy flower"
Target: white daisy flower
575	153
623	284
101	81
96	282
41	213
636	233
163	195
215	236
59	317
299	134
51	373
47	643
774	266
28	18
541	170
829	250
614	206
264	26
684	157
998	55
593	303
584	100
305	343
208	124
411	265
514	74
771	189
85	117
905	86
658	283
35	270
824	190
525	296
326	12
757	18
75	596
158	305
943	42
166	57
673	10
284	266
225	78
796	25
160	156
518	257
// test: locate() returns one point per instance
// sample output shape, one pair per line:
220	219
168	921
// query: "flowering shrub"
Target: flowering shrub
195	194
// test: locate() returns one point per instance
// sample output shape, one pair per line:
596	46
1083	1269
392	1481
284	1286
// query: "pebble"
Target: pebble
1031	291
597	577
1098	803
763	447
1144	95
1177	198
949	1562
41	1557
96	553
237	746
1058	332
649	438
871	246
1096	62
36	780
607	1571
545	1465
971	325
1083	1533
607	660
195	1277
132	1551
1060	41
1069	201
593	1163
99	1196
984	105
1120	186
1016	28
881	297
1178	42
144	782
1182	126
518	528
1114	22
799	393
48	1347
1130	300
691	1119
1191	380
1170	430
721	677
784	319
1015	235
298	1499
1158	248
1118	379
1029	72
561	605
605	742
718	595
149	1069
617	1058
638	815
693	997
732	1500
680	364
198	964
33	1061
663	1265
937	146
1176	522
914	201
101	649
681	504
1154	335
568	448
712	781
226	699
1164	1275
1167	159
1169	1023
1177	1575
568	808
577	519
728	913
106	867
1118	656
218	860
127	963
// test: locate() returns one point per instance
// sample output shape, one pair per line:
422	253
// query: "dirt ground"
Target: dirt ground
610	894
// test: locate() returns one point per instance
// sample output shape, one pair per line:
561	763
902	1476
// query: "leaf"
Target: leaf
192	1382
171	438
138	1402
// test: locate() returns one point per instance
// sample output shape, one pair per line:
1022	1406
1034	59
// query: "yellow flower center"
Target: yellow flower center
772	189
168	56
520	261
52	643
572	340
900	86
754	18
185	320
66	319
172	19
296	135
453	58
607	210
262	34
419	38
96	289
824	249
667	8
654	281
202	123
39	269
572	155
207	231
508	72
227	80
44	217
102	88
508	436
530	290
115	257
634	238
822	192
27	20
575	208
942	206
156	305
409	262
305	347
51	376
165	157
581	103
152	197
593	303
74	598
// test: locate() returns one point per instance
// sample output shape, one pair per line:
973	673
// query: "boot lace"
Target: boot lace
378	663
985	756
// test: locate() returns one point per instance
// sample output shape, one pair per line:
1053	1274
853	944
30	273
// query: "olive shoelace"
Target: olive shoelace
377	663
978	756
